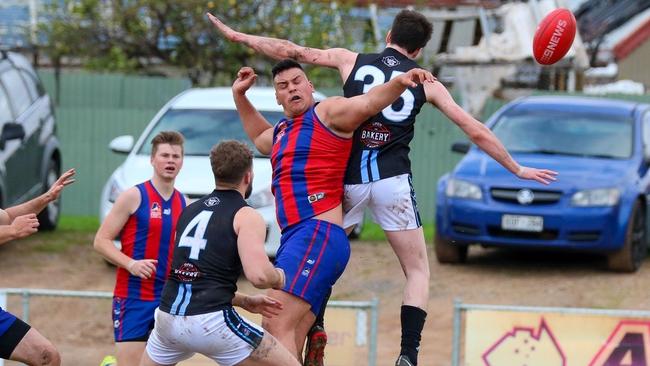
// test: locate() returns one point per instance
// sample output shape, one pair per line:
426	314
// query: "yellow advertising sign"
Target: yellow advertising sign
504	338
345	346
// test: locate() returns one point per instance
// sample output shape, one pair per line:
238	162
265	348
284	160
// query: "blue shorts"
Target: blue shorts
12	331
313	255
133	319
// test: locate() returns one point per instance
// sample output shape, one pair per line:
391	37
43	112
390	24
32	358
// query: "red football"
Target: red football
554	36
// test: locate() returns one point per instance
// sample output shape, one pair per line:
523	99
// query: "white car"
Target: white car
204	116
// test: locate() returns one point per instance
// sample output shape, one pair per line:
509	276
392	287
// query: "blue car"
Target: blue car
599	203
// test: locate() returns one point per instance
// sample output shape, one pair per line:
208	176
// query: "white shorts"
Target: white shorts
391	202
222	336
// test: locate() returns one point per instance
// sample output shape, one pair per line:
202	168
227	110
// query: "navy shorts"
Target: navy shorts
313	255
12	331
133	319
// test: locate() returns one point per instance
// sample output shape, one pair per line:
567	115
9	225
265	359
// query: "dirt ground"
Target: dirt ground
82	330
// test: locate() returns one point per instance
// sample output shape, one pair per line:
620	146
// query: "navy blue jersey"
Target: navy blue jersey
381	145
206	263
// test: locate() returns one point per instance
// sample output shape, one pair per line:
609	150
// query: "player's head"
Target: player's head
293	90
167	154
232	165
411	31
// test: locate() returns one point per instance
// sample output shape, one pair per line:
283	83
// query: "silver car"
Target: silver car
30	157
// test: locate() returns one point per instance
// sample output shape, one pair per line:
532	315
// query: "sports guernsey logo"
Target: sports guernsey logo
156	212
282	127
374	135
187	273
390	61
212	201
315	197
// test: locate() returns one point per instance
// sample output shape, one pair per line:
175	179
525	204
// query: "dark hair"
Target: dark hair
166	137
285	64
230	160
411	30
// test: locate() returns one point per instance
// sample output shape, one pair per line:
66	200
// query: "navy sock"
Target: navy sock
412	323
320	318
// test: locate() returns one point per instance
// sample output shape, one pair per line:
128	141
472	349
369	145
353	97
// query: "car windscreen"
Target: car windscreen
566	133
203	128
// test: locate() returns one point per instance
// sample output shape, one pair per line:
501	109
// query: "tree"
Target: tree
163	37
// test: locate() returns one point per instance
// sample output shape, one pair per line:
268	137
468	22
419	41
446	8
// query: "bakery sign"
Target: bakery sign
498	338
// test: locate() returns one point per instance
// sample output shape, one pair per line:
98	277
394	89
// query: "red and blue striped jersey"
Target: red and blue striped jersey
149	234
309	163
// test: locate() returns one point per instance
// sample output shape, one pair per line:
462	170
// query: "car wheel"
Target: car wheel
49	217
630	257
447	252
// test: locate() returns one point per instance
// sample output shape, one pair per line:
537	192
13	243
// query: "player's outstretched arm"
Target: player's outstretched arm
482	136
38	204
251	230
258	129
127	202
346	114
279	49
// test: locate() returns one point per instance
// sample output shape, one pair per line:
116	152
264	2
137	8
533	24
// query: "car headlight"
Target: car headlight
462	189
596	197
114	191
261	199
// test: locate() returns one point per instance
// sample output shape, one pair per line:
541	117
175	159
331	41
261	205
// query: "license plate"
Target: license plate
522	223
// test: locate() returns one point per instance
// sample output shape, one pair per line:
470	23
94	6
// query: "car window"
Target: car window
566	133
32	84
203	128
5	109
19	95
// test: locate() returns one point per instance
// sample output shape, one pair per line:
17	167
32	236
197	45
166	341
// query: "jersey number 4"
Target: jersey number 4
378	78
197	241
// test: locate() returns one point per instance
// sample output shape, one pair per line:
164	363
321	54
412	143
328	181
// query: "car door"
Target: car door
22	163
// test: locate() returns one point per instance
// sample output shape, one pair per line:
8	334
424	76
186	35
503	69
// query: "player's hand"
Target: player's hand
144	268
25	225
416	76
65	179
543	176
228	32
262	304
245	79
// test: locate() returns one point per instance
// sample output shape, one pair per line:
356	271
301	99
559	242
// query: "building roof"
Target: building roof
633	40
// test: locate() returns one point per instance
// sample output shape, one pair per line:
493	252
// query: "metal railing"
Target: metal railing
364	306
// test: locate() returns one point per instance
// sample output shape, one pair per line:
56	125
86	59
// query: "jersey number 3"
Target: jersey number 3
379	78
197	241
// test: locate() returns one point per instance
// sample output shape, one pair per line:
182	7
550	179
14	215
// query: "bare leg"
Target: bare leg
410	248
269	353
36	350
129	353
287	327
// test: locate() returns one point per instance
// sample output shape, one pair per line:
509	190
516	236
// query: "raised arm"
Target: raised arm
344	115
279	49
38	204
258	129
482	136
251	229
